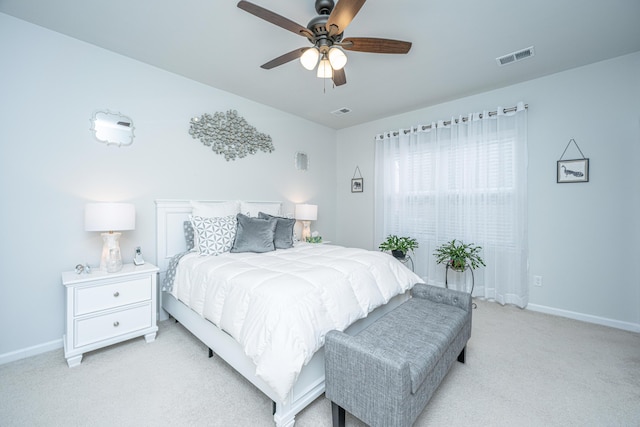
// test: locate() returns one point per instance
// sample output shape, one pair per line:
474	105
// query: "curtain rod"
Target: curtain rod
464	119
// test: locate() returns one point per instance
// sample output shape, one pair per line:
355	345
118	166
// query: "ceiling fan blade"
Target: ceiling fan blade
274	18
375	45
342	15
339	77
283	59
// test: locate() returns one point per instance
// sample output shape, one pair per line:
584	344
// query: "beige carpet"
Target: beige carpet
523	369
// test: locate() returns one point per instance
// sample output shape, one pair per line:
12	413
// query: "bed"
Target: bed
250	343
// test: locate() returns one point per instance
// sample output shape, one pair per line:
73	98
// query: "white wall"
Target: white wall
582	237
50	165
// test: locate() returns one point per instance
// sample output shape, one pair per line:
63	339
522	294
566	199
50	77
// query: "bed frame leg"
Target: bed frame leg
462	354
274	408
210	353
337	414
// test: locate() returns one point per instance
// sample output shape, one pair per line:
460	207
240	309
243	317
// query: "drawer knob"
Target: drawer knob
116	324
116	294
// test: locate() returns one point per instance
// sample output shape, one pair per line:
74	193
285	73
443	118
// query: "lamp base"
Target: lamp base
306	230
111	260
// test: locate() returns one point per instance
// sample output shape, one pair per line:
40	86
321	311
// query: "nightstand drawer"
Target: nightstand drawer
96	298
100	328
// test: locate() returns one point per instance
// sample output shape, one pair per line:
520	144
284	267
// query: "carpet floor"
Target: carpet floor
523	368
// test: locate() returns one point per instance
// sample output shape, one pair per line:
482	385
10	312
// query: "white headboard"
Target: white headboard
170	217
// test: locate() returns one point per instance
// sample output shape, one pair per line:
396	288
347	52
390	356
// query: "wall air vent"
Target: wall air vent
341	111
515	56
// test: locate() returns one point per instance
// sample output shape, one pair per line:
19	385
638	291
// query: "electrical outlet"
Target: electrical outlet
537	280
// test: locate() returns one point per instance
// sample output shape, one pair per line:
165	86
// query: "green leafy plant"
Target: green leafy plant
399	246
314	239
458	256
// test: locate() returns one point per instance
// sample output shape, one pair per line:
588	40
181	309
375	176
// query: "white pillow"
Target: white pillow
214	209
252	209
214	235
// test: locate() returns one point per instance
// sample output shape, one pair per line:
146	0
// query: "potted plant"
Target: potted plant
459	255
314	238
399	246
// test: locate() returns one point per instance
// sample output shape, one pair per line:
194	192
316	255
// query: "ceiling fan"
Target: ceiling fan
325	32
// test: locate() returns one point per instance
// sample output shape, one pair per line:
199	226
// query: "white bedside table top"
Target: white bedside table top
71	277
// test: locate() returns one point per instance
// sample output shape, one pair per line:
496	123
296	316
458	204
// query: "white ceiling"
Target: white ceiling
455	45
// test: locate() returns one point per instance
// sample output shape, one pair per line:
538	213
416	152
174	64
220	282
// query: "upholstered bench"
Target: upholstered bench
386	374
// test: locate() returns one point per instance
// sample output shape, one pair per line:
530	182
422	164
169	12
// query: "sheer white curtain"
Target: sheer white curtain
466	180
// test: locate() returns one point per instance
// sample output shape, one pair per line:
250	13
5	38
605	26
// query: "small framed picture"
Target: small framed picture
573	171
356	185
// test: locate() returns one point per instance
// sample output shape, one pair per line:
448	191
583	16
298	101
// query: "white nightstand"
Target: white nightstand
107	308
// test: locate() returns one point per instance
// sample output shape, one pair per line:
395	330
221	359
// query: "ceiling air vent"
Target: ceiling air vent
341	111
515	56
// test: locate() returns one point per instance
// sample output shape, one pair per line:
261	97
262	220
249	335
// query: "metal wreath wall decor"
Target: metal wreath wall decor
229	134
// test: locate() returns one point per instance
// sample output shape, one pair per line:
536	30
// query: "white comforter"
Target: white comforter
279	305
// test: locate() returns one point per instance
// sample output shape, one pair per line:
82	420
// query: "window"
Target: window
465	180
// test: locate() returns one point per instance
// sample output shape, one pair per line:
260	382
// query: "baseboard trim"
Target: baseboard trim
618	324
30	351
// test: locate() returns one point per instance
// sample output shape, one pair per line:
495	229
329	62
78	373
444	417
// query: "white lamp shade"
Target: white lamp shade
109	216
306	212
324	69
337	58
309	58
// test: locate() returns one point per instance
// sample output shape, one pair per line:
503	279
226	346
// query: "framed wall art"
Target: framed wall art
574	170
357	183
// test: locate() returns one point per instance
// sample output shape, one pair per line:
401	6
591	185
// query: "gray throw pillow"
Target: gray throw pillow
254	234
284	230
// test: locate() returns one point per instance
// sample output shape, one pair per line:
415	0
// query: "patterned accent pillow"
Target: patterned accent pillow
215	235
189	238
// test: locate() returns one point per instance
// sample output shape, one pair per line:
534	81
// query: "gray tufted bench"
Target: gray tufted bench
386	374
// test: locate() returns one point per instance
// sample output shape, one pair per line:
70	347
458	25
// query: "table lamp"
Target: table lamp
110	218
306	214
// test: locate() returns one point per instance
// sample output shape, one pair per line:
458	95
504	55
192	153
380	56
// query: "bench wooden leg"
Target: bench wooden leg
462	354
338	415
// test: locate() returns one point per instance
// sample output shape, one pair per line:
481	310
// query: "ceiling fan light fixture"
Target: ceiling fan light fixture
309	58
324	69
325	32
337	58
